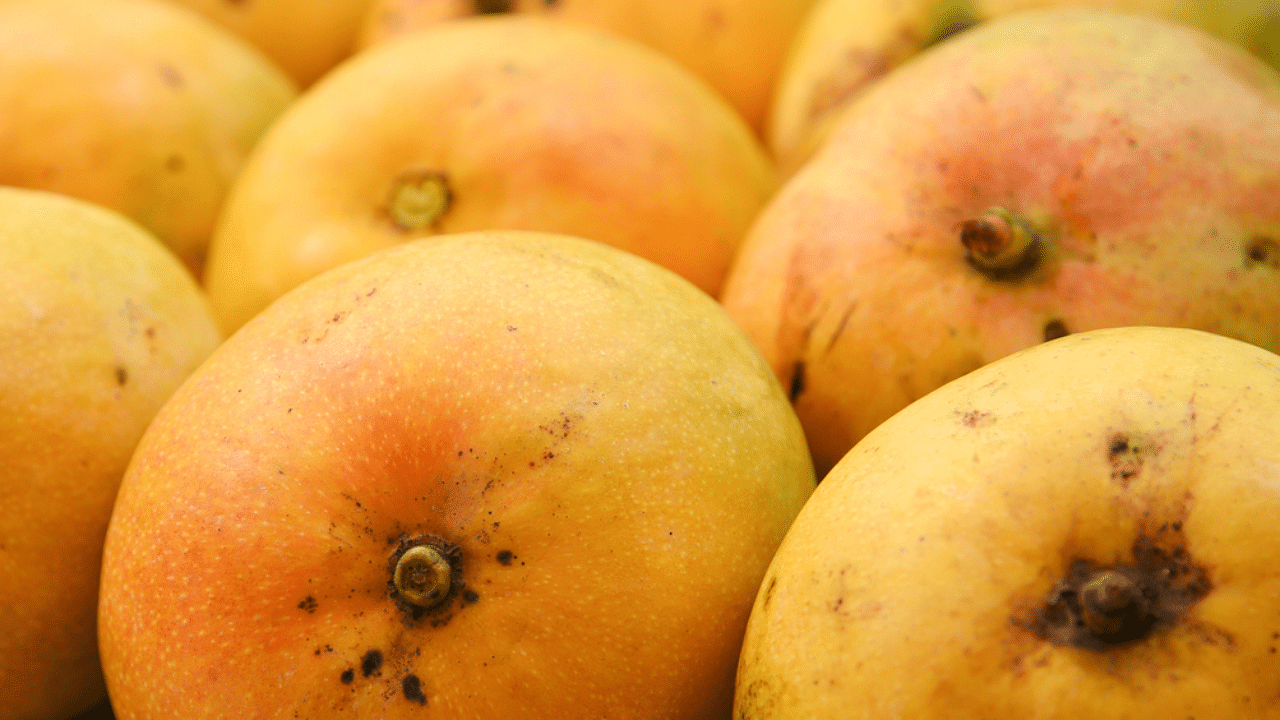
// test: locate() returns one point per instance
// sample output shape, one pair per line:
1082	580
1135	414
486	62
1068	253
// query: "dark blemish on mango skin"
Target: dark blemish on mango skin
1055	329
348	676
371	663
494	7
308	603
797	380
1096	607
170	75
504	557
1125	457
122	375
412	688
1263	251
768	593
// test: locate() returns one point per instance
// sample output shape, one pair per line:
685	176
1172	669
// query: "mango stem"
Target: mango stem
1001	245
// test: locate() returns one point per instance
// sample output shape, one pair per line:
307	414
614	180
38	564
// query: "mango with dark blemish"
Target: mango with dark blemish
1042	173
517	474
1102	544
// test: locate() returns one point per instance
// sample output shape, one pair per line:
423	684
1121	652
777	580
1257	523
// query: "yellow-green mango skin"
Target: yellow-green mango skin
907	585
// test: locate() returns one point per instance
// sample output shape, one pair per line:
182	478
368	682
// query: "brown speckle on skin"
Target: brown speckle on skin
170	75
122	375
348	676
1125	456
504	557
308	604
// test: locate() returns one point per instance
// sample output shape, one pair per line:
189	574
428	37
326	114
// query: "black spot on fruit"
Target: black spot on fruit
1126	457
308	603
504	557
122	375
797	380
1097	607
412	687
1055	329
348	676
371	663
1262	251
470	596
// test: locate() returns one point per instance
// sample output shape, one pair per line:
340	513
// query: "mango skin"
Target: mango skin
844	46
509	110
1148	153
905	586
304	38
99	324
136	105
736	46
611	457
